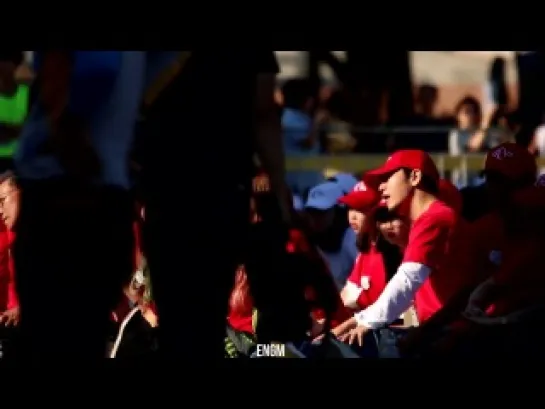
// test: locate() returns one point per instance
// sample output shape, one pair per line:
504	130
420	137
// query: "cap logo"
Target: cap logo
501	153
360	187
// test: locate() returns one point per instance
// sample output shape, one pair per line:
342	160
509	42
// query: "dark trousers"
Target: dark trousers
193	240
73	252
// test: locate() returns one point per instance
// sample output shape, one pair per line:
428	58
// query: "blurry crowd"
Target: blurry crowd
101	214
415	270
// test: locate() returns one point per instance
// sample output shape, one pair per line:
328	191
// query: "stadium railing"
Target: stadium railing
356	163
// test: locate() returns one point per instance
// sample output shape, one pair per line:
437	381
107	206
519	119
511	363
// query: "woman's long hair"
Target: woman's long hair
391	254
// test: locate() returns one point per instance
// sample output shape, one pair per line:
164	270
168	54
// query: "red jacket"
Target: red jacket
8	296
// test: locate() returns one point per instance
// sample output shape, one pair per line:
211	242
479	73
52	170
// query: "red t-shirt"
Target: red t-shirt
8	295
487	237
369	274
242	320
521	277
438	240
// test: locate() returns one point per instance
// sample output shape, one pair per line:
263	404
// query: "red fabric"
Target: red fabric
299	243
369	269
362	198
241	304
521	277
511	160
485	236
8	294
409	158
438	240
450	195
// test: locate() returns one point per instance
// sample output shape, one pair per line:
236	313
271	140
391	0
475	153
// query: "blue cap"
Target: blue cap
324	196
346	181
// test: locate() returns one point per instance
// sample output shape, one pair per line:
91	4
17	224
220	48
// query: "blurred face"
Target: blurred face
395	232
356	220
467	117
9	203
320	220
398	187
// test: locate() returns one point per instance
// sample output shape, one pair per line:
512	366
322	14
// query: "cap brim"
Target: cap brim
319	205
374	177
363	201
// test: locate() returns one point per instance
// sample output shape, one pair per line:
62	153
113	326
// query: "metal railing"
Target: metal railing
331	164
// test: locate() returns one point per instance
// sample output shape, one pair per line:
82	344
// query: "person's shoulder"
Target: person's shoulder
486	221
349	236
438	214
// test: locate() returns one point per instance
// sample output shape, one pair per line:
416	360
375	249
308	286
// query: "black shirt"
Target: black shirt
204	121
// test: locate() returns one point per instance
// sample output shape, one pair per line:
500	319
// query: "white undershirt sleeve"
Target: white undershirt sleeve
350	294
396	298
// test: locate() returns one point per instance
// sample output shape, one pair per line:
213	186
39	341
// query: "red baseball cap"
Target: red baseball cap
450	195
362	198
510	160
408	158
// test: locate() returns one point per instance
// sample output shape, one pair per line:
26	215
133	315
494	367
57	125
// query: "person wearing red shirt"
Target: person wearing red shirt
9	209
506	311
508	168
370	272
434	266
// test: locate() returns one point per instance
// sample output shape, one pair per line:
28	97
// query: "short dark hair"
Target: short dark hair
9	176
427	183
296	92
468	100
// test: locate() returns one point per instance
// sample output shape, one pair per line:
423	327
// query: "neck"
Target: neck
420	202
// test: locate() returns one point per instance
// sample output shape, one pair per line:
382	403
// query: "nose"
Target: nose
382	187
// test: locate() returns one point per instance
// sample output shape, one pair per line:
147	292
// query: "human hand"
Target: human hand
10	318
357	335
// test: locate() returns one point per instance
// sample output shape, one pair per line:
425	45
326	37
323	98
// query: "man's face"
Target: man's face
398	187
9	203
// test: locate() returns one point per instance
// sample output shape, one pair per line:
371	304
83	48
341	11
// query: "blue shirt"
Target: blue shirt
112	116
296	126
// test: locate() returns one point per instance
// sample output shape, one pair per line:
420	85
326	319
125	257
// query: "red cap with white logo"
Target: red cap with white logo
510	160
362	198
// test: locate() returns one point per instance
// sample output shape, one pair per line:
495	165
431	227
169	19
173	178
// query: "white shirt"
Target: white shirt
396	298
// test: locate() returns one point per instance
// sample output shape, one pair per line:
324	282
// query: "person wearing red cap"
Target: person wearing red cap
378	259
505	311
434	264
508	168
